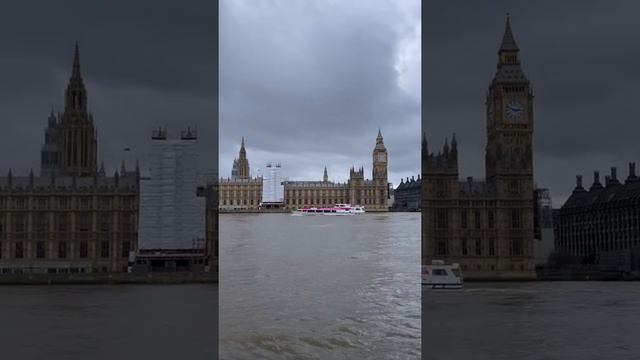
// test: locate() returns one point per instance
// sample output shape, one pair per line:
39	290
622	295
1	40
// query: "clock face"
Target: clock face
382	157
514	111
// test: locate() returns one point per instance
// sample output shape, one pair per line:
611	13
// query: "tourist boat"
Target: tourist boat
439	275
337	210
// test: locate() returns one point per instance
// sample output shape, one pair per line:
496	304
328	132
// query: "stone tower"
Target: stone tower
509	153
380	167
50	154
242	163
77	137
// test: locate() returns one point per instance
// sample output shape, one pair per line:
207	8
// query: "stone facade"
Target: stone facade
71	144
68	224
72	218
486	226
601	226
241	191
407	195
372	194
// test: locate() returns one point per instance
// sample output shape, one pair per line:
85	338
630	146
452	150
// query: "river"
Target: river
320	287
535	320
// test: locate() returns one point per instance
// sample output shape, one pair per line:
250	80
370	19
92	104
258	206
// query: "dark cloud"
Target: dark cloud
582	59
308	83
144	63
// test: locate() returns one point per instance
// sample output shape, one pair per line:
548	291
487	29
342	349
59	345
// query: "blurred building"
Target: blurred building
407	195
543	238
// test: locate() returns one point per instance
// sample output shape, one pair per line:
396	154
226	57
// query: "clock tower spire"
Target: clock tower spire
509	116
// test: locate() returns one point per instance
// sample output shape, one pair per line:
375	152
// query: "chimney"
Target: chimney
614	176
632	172
596	181
578	181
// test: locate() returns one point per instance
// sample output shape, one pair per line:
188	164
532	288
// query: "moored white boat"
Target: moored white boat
439	275
337	210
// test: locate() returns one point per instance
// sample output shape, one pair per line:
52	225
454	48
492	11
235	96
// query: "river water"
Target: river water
109	322
544	320
320	287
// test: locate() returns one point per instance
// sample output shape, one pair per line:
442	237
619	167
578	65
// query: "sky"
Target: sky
141	69
309	83
582	60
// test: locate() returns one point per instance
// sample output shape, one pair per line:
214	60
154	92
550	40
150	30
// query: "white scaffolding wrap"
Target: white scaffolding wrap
172	216
272	188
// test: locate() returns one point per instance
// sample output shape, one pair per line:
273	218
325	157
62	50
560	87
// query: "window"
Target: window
84	203
490	220
516	247
464	246
62	203
492	247
20	223
21	203
19	250
40	249
126	246
83	222
441	218
62	249
61	222
514	187
104	249
441	247
42	223
478	247
477	219
43	203
463	219
84	249
516	219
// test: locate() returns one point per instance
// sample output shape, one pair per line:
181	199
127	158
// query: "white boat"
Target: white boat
337	210
439	275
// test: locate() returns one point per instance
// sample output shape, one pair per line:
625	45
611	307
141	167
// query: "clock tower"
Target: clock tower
379	175
509	117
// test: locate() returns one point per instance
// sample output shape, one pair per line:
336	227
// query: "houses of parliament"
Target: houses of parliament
73	217
486	226
243	192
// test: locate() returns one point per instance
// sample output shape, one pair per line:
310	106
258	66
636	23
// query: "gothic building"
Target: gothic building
601	225
373	194
72	218
71	144
486	226
241	191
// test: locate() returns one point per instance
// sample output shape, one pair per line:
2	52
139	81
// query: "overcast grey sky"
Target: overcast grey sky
144	63
308	83
582	59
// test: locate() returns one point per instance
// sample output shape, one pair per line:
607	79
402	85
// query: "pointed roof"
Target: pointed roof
508	41
76	62
380	141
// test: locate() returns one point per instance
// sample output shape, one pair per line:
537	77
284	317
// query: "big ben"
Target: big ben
509	156
486	226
